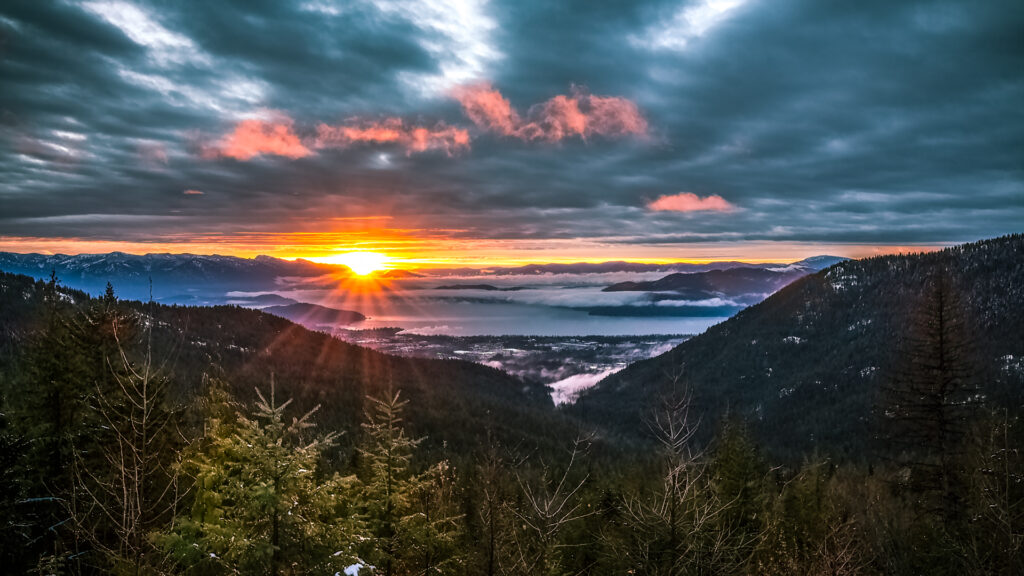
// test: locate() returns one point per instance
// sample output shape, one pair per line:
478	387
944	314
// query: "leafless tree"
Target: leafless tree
997	544
550	505
129	486
675	529
493	513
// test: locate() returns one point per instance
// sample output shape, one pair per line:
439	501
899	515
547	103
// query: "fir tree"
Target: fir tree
737	478
51	410
410	517
259	503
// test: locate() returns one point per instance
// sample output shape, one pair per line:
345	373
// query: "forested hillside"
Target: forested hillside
455	402
805	368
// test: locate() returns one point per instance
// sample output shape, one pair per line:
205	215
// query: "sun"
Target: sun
362	263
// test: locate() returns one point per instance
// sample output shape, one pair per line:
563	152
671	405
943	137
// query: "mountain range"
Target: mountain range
804	367
815	262
181	278
727	282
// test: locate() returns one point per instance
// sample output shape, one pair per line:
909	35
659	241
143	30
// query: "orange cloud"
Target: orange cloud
577	115
449	139
487	108
191	192
257	137
393	130
689	202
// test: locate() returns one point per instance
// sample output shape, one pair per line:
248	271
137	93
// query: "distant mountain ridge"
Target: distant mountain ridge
205	280
814	263
803	366
739	283
716	292
172	274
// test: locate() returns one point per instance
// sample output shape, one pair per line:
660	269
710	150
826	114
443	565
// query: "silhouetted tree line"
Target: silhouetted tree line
118	455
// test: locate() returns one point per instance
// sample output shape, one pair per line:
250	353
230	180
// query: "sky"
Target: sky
490	132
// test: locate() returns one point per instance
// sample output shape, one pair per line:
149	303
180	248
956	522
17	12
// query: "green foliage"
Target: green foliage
737	477
15	518
259	503
809	527
410	517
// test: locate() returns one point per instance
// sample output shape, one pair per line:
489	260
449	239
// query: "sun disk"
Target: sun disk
362	263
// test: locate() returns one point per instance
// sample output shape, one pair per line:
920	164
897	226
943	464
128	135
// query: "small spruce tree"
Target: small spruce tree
410	517
260	505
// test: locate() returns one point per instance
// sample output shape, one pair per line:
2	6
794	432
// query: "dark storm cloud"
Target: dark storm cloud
861	122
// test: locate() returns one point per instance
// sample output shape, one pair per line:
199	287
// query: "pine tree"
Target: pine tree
260	505
737	478
50	409
101	333
491	519
410	517
431	533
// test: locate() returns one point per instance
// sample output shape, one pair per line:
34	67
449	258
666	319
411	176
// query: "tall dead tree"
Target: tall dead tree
129	486
550	505
677	528
930	399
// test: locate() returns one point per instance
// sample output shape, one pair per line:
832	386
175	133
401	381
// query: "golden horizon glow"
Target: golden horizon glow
361	263
417	249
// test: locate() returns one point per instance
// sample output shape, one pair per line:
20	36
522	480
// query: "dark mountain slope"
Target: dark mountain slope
804	366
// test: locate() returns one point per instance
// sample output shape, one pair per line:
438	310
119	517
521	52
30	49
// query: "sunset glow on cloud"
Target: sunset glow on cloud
577	115
449	139
487	108
252	138
690	202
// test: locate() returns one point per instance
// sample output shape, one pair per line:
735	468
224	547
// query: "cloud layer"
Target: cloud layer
884	123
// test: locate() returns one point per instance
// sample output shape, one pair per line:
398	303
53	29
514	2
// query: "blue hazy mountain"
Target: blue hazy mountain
180	278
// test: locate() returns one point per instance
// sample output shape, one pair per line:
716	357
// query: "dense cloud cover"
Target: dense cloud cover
630	123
